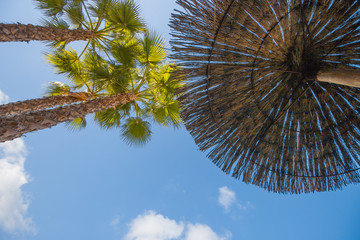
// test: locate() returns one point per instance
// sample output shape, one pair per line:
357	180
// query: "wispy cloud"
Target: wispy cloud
115	222
154	226
226	198
246	206
13	204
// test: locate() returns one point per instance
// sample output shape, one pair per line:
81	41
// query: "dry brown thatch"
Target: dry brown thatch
252	100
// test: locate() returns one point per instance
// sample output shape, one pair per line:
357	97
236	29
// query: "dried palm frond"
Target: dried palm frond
253	101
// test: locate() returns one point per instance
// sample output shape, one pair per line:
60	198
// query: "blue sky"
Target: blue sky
58	184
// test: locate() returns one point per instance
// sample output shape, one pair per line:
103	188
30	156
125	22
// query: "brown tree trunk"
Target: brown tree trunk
349	78
14	127
21	32
27	106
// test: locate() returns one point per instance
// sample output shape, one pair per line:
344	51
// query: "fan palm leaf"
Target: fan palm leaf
136	131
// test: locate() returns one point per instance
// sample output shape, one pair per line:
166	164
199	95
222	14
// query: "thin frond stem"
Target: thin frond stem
87	14
81	22
86	46
102	47
98	24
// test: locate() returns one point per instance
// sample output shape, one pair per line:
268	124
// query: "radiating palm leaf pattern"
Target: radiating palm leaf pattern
252	100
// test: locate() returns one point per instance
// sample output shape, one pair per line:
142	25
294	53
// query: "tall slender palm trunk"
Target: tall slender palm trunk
16	126
22	107
22	32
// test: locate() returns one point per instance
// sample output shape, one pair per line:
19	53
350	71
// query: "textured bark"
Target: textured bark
27	106
21	32
14	127
349	78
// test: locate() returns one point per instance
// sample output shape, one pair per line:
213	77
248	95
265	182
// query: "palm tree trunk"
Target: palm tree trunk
349	78
22	32
27	106
14	127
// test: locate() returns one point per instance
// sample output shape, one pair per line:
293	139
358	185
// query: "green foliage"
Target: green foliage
55	22
51	7
77	124
153	46
124	16
133	61
74	10
66	62
136	131
57	88
106	20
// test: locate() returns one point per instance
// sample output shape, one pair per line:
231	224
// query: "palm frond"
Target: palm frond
57	88
74	12
77	124
55	22
67	62
153	49
136	131
111	117
165	113
99	8
126	51
97	69
164	82
51	7
125	16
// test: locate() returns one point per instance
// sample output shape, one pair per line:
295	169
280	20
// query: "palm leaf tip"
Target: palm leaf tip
108	118
57	88
77	124
125	16
51	7
153	48
136	132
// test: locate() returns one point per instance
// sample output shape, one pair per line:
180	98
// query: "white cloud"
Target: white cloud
203	232
226	198
245	207
3	98
153	226
115	222
13	205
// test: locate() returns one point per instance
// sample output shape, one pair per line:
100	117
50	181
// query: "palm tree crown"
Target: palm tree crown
133	64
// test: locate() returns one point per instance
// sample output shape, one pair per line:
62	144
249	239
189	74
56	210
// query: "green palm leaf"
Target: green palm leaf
57	88
74	12
153	49
67	62
124	16
99	7
51	7
55	22
136	131
77	124
125	51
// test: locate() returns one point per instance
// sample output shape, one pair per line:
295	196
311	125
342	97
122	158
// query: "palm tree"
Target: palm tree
128	90
97	21
61	96
270	93
15	126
